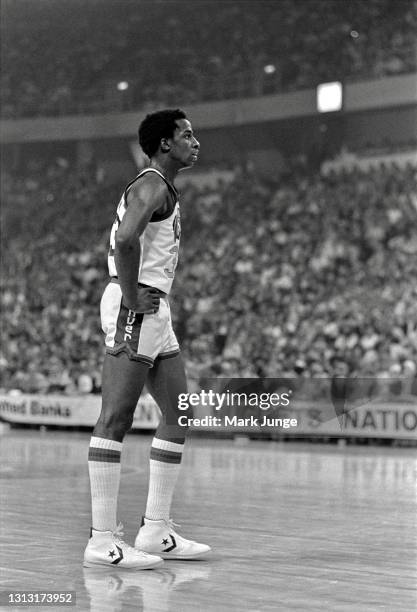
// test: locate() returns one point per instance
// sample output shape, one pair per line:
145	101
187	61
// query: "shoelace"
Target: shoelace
118	533
117	536
171	526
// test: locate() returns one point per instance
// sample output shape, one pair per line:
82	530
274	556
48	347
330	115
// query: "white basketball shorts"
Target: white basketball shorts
144	337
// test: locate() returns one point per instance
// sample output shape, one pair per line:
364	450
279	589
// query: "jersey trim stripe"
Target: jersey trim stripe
169	354
155	217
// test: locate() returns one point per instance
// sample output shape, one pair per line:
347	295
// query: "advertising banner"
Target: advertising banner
341	407
259	407
68	411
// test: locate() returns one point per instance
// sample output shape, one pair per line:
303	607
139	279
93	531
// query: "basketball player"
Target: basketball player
141	347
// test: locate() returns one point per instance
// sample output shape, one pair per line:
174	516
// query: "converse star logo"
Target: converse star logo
174	544
112	553
114	583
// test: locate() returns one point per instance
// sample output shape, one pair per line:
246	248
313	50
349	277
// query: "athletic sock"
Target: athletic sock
164	467
104	469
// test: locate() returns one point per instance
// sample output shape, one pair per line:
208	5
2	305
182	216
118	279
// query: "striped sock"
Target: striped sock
164	464
104	470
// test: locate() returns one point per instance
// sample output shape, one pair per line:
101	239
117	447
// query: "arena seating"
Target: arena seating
224	50
275	279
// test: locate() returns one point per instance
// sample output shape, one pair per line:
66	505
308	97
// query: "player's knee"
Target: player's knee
114	425
171	434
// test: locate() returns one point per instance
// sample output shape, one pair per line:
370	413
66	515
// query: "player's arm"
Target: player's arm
143	200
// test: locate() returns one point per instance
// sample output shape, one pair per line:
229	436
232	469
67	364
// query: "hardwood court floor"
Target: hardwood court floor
292	526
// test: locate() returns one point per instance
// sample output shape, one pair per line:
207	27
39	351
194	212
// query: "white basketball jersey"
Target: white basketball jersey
159	243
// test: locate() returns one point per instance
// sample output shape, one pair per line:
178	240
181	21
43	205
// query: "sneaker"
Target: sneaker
160	538
107	548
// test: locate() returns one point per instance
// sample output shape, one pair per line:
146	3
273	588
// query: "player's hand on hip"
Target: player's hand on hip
147	301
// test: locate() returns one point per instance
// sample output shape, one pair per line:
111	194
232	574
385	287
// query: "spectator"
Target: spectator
225	50
327	277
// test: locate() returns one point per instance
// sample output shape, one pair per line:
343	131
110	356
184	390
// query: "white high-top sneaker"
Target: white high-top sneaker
107	548
160	538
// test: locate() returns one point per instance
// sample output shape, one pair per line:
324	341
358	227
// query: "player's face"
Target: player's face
184	145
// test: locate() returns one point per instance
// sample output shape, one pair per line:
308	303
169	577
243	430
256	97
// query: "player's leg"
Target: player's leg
166	381
123	380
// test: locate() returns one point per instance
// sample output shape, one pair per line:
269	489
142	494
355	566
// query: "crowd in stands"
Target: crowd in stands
68	56
311	275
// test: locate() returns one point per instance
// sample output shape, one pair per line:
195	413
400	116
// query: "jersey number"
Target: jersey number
170	271
114	229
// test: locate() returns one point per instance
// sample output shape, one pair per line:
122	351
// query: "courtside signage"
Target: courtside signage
376	419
